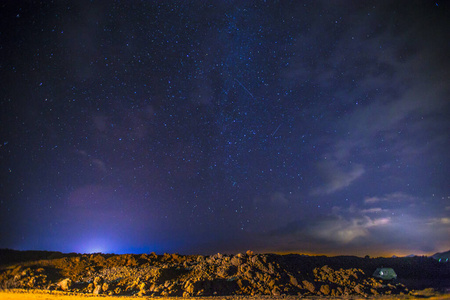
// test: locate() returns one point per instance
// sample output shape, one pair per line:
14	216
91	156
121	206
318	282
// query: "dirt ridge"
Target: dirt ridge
245	274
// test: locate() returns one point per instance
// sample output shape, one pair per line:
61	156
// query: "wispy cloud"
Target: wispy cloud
395	221
337	177
445	221
373	210
439	221
393	197
279	198
346	230
394	108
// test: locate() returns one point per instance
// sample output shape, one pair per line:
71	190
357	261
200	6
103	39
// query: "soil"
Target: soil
53	275
46	295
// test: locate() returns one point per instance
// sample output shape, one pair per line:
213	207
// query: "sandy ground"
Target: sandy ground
46	295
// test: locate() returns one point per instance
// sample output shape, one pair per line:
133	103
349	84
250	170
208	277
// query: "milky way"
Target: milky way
204	127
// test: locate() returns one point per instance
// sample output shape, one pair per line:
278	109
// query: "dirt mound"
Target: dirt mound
219	274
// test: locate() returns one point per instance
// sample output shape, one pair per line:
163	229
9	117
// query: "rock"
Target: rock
293	280
249	252
26	272
226	271
97	290
270	268
176	275
249	275
236	261
65	284
105	286
254	259
359	288
259	276
308	286
325	289
276	291
377	285
347	291
98	281
32	282
189	287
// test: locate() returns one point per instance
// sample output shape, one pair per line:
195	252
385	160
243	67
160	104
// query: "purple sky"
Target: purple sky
205	127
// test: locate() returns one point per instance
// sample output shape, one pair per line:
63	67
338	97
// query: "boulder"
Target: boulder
308	286
186	295
293	280
98	281
32	282
236	261
65	284
276	291
97	290
189	287
359	288
105	286
325	289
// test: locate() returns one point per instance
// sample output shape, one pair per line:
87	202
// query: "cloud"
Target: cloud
346	230
337	177
279	198
445	221
392	88
393	197
439	221
94	162
378	224
99	164
335	229
275	200
373	210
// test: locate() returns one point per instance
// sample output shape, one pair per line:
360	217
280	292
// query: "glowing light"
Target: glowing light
97	245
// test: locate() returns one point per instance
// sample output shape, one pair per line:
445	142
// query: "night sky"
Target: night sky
197	127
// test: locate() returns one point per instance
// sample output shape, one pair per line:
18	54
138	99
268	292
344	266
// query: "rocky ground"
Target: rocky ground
246	274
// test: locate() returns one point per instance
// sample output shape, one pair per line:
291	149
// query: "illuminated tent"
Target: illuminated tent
385	273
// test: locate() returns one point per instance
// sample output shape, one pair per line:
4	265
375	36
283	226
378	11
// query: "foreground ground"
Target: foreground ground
46	275
429	294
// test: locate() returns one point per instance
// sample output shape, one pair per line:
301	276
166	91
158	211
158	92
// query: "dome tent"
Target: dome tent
385	273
